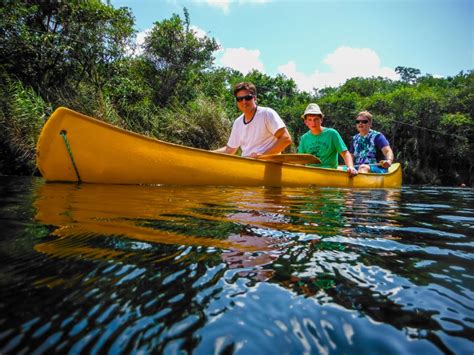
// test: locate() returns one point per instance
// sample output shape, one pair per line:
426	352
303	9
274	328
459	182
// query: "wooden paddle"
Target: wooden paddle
291	158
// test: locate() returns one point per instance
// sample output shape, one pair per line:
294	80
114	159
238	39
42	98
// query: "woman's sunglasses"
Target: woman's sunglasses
362	121
246	98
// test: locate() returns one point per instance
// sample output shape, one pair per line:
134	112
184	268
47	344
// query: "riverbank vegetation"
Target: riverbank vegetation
83	55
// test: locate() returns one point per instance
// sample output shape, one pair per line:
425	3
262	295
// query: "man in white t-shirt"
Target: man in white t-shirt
259	130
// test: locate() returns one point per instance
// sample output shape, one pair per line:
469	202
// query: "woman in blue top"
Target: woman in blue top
366	143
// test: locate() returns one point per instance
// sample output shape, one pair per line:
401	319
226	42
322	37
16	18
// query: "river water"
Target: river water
203	270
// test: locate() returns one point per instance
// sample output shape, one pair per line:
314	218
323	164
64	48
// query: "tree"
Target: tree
53	45
366	87
49	51
177	59
408	75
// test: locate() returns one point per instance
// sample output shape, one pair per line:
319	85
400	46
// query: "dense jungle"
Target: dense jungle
83	55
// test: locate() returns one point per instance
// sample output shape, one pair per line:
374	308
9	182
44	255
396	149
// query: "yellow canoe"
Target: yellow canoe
75	147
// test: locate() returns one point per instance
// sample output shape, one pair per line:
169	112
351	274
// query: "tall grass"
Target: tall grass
200	123
21	120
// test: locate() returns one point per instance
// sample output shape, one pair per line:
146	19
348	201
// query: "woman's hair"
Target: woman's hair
365	114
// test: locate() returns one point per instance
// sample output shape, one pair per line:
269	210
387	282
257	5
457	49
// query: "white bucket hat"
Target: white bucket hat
312	109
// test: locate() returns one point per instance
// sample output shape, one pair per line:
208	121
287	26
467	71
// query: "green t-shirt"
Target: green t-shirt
326	146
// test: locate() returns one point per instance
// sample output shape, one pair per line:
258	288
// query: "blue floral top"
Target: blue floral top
364	148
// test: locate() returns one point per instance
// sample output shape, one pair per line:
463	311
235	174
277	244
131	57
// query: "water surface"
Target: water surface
166	269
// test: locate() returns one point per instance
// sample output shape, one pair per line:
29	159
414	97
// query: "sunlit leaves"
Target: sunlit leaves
176	58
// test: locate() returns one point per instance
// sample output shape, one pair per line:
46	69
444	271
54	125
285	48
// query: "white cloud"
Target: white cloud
303	81
344	63
242	59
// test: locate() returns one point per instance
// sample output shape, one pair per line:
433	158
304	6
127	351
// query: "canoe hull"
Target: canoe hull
106	154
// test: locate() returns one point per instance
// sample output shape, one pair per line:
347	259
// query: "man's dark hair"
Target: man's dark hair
245	86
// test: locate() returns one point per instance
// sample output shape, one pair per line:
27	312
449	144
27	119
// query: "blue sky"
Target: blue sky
322	43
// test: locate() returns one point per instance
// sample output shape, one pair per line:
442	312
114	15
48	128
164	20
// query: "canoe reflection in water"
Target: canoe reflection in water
274	234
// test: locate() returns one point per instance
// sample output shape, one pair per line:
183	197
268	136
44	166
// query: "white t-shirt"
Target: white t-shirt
259	134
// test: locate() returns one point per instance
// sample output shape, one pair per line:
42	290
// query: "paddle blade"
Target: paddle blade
291	158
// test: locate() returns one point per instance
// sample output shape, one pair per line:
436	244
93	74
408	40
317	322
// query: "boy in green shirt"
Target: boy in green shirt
323	142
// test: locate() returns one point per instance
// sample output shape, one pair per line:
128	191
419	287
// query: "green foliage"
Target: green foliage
130	95
456	120
56	45
21	122
408	75
77	54
366	87
176	59
200	123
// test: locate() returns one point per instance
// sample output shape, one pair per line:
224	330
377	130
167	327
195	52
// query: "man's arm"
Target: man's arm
226	150
283	141
388	154
349	162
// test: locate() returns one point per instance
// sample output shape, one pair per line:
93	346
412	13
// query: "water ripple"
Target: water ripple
129	269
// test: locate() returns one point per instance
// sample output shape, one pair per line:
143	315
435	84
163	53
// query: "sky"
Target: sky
320	43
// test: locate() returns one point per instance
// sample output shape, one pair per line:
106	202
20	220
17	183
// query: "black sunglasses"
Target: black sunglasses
246	98
362	121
